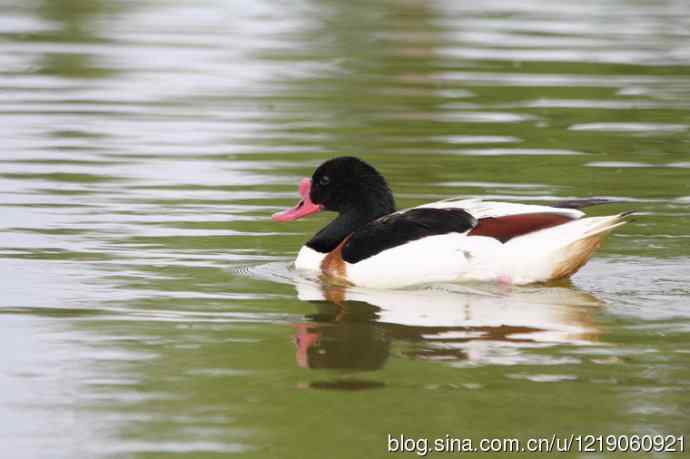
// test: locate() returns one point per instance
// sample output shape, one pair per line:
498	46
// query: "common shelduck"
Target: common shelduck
370	244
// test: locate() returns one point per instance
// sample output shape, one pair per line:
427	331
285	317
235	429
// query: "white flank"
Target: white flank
441	258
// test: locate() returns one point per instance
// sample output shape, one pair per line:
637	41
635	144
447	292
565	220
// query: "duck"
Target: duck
371	244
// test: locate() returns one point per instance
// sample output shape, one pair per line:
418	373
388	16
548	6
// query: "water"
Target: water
148	309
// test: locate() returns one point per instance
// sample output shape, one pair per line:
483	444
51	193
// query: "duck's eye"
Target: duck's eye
324	180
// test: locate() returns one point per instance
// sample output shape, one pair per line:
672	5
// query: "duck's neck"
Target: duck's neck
346	223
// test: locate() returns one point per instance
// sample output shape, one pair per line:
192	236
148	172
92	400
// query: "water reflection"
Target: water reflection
359	329
77	23
367	85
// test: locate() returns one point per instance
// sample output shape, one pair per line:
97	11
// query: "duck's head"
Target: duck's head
345	185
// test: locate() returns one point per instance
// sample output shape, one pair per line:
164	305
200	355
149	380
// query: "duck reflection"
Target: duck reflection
358	329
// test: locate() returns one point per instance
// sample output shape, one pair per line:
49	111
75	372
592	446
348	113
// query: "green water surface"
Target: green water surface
148	309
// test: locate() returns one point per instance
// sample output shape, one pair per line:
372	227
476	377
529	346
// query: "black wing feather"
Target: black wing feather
399	228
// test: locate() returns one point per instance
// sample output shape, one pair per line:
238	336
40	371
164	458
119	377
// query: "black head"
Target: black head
348	184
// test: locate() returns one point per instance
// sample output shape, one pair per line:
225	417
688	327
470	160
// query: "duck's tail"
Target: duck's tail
570	258
560	251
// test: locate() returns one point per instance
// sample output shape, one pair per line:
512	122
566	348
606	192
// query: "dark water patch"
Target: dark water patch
350	385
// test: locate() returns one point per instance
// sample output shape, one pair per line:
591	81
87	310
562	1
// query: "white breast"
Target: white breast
309	259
